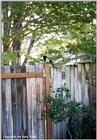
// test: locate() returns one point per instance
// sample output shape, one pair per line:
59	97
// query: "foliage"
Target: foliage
84	125
57	104
8	57
74	20
93	77
81	122
61	105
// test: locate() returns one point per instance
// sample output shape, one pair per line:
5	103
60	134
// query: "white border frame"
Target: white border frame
43	1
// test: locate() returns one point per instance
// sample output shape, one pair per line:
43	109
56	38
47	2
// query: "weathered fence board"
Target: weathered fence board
29	102
3	117
7	108
72	83
67	77
39	106
59	129
76	85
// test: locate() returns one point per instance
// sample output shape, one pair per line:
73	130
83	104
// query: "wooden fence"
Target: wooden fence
79	79
22	98
23	89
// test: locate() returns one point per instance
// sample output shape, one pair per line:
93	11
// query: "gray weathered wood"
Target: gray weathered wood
29	101
57	82
68	77
3	103
22	99
85	97
15	112
72	83
76	85
9	121
39	105
79	83
24	106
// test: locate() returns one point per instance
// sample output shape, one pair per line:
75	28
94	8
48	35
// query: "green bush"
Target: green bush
61	108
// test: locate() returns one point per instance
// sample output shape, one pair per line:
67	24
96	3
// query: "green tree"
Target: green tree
75	20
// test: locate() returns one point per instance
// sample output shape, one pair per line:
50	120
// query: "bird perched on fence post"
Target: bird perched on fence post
46	59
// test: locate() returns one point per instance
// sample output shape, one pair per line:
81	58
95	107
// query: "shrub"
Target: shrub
62	108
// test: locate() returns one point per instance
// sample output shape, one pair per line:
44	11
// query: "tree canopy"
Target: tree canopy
52	28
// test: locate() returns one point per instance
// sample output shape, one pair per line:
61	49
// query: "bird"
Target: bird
47	59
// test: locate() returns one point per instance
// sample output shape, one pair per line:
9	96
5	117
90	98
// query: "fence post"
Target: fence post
47	92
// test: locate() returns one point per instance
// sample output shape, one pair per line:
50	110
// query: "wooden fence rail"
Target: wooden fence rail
22	75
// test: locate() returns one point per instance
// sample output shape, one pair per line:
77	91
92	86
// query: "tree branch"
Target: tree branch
29	49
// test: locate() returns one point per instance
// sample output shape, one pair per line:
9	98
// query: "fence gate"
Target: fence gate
23	89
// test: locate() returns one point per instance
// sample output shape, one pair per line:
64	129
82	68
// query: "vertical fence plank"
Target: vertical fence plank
54	87
39	92
84	87
68	77
91	88
9	121
29	102
72	83
58	130
24	106
34	115
59	84
76	85
87	73
19	103
14	104
83	83
79	82
3	101
48	92
17	97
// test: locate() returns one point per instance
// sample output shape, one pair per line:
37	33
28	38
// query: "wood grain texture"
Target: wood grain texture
72	73
76	84
22	98
3	103
81	82
22	102
21	75
9	120
29	102
39	107
35	101
58	130
48	92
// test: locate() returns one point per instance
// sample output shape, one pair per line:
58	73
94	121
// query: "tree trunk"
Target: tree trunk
5	26
16	42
